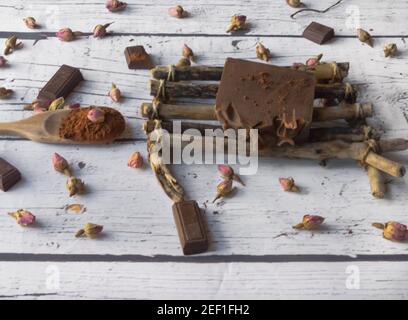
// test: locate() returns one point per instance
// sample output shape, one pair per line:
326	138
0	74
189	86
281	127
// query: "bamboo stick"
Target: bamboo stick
325	71
377	182
168	90
207	112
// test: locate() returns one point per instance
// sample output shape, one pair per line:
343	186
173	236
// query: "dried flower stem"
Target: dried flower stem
377	182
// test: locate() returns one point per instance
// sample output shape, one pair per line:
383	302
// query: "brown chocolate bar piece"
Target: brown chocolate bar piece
276	100
190	227
9	175
137	58
318	33
61	84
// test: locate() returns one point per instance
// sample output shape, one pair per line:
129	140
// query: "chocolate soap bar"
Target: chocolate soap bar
137	58
190	228
61	84
318	33
9	175
276	100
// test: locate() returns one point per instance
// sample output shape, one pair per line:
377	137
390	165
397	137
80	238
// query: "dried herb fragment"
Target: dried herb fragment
30	22
90	230
228	173
288	184
135	160
61	164
393	230
310	222
115	5
177	12
23	217
5	93
390	49
237	23
262	52
115	93
100	30
11	45
365	37
66	34
96	115
75	186
223	189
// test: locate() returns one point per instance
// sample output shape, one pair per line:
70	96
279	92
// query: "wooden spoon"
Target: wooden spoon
44	127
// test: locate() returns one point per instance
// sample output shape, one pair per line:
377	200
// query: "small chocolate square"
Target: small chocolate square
318	33
137	58
190	228
9	175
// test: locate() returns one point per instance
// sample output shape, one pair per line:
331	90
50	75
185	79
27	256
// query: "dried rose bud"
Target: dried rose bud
5	93
392	230
72	106
294	3
365	37
135	160
30	22
177	12
237	22
57	104
187	52
96	115
314	61
3	61
183	62
66	34
37	110
288	184
90	230
75	186
38	104
11	45
60	164
262	52
23	217
224	188
115	5
390	49
115	93
100	30
309	222
228	173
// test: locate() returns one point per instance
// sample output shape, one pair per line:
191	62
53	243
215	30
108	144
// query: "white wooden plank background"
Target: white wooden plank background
137	215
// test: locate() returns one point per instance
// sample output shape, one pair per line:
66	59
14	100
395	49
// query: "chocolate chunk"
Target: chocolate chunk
137	58
318	33
61	84
276	100
190	228
9	175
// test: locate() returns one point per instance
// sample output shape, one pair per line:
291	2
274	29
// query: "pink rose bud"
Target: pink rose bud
23	217
115	5
90	230
72	106
237	22
310	222
37	110
115	93
288	184
135	160
96	115
393	230
187	52
60	164
3	61
100	30
228	173
65	34
314	61
223	189
177	12
30	22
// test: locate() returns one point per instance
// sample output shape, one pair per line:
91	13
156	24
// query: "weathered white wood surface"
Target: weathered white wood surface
136	214
382	280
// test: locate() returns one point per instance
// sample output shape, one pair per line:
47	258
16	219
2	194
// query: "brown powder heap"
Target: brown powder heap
76	125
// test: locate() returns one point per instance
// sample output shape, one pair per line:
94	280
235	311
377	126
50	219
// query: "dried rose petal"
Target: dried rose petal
77	208
135	160
115	5
393	230
115	93
177	12
30	22
310	222
23	217
90	230
96	115
288	184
